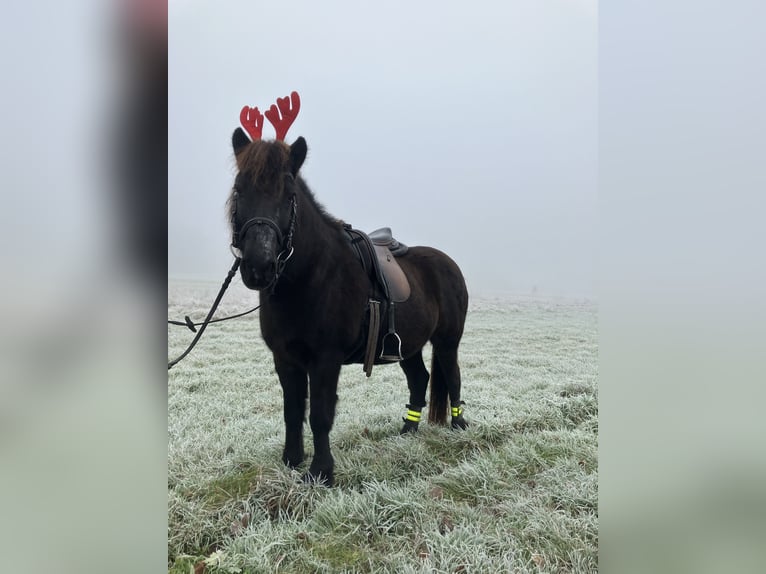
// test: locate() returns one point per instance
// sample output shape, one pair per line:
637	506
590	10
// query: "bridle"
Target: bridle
285	240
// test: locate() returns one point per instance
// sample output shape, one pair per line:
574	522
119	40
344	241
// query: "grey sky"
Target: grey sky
468	126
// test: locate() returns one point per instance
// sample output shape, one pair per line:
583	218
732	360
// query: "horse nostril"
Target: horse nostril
262	273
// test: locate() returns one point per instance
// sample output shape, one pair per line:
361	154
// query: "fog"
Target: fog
470	127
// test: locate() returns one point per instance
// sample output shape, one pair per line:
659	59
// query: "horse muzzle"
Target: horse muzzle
259	260
258	276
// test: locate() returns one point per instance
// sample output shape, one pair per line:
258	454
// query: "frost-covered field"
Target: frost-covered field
516	492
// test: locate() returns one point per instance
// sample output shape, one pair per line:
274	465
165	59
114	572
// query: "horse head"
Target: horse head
263	202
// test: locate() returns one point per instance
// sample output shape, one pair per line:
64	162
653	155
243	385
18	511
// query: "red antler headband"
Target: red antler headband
252	120
281	116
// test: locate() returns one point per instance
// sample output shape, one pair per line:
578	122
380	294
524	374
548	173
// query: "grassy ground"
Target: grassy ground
516	492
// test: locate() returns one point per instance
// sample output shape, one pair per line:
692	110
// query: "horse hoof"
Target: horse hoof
319	478
409	427
459	423
292	462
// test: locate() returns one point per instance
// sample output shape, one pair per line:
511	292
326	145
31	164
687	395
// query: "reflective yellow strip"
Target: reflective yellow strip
457	411
413	416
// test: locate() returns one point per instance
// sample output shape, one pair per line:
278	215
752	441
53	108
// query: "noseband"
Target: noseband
285	242
256	221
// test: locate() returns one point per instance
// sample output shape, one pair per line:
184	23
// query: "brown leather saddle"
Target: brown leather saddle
387	249
377	253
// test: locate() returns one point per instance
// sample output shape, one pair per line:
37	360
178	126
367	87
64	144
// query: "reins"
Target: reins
192	326
209	318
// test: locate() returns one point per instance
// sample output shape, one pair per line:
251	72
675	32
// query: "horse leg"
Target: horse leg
294	389
417	381
446	362
323	381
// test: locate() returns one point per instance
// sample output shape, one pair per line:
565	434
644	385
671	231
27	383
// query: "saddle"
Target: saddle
382	238
377	253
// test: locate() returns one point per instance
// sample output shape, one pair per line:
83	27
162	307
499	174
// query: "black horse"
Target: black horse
314	300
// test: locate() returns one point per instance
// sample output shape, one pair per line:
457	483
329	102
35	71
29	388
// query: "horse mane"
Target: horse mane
264	160
326	216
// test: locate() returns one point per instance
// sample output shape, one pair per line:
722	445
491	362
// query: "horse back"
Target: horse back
436	280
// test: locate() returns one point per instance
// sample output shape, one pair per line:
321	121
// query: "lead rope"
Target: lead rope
192	326
209	317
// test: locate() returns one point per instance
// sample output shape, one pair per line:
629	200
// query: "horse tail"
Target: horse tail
438	407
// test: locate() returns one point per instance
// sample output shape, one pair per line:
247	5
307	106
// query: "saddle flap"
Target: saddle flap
398	285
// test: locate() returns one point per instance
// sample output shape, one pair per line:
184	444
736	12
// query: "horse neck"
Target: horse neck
315	240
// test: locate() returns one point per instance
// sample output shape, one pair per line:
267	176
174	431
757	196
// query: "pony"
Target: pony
315	294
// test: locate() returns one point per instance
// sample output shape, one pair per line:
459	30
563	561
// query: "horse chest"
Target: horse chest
296	327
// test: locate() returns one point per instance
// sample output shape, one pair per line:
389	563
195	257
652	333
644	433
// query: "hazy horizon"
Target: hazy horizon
476	135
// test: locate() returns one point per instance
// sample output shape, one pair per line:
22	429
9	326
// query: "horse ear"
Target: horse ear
297	155
239	140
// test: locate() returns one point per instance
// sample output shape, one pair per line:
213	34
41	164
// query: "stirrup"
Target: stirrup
391	354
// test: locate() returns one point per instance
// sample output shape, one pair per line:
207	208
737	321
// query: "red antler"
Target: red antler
252	120
288	114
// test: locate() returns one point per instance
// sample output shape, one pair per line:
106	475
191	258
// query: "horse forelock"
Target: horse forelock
264	160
